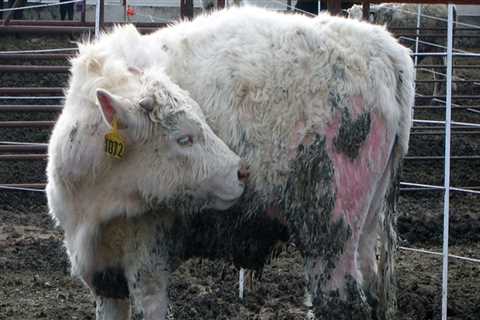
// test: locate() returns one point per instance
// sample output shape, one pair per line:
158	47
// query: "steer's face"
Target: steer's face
170	151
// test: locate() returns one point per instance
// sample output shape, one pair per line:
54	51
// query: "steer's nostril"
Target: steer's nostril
243	173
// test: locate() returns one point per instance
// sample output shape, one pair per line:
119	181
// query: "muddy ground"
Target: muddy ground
35	281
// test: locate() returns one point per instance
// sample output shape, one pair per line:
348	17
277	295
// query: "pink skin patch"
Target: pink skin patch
354	179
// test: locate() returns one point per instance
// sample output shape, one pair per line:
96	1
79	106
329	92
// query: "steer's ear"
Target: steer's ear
114	107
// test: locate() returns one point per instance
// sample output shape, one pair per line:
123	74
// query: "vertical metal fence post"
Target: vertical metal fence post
417	39
417	33
446	199
241	283
97	19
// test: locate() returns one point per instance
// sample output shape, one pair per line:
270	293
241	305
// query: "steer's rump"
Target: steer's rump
320	109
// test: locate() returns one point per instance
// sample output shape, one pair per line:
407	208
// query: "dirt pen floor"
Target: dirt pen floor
34	272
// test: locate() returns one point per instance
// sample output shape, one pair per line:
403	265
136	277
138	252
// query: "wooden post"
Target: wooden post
186	9
366	10
334	6
220	4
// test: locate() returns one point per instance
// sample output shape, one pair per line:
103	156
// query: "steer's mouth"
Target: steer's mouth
224	198
223	201
222	204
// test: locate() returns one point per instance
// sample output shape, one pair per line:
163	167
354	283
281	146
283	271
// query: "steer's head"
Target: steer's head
170	149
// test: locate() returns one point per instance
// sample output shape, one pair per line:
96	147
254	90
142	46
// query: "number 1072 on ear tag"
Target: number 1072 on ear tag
114	143
114	147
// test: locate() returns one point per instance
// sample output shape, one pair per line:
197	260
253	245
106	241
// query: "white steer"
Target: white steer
159	152
320	108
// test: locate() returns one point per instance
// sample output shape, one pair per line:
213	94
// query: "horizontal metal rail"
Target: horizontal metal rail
26	124
431	29
42	29
443	107
35	56
30	108
454	124
34	187
25	185
428	158
37	51
16	143
432	128
24	148
420	186
30	90
440	254
31	97
60	29
34	68
459	97
68	23
458	66
434	35
442	132
443	54
19	157
442	81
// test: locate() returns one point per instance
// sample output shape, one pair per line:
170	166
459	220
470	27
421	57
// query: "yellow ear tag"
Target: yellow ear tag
114	142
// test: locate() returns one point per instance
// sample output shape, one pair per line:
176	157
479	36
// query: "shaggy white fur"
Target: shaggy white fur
170	151
271	85
273	70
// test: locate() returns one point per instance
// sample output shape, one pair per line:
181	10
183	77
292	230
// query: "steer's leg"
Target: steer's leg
357	145
370	237
111	293
334	281
112	309
149	292
151	249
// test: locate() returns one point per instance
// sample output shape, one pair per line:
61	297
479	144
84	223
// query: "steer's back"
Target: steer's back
284	78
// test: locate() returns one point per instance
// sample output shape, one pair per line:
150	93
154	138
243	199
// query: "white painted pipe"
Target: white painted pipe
417	38
241	282
97	19
446	198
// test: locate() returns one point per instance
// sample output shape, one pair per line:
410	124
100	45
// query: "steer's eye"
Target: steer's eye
185	141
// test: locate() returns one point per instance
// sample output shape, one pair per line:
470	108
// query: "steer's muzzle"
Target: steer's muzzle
243	172
226	187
